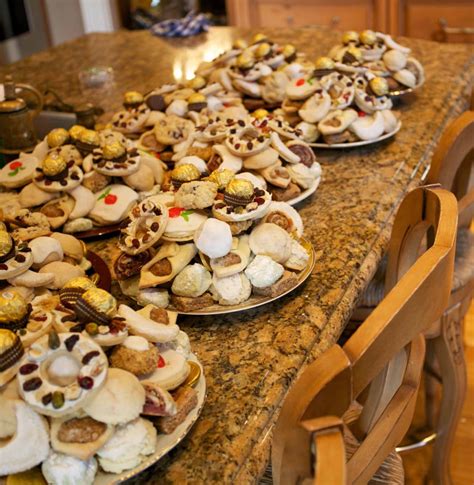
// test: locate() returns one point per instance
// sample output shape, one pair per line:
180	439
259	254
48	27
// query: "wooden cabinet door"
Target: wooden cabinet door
339	14
440	20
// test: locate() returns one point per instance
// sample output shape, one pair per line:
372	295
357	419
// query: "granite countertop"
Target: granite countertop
250	358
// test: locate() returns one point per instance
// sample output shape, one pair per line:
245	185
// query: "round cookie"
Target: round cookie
113	204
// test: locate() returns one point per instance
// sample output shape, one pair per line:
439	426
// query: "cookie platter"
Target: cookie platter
104	393
358	143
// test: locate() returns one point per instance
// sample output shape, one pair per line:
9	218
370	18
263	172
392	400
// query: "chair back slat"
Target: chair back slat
381	363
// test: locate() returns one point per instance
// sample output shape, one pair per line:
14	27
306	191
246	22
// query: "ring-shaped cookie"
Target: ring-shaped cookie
247	142
17	261
147	224
340	88
83	367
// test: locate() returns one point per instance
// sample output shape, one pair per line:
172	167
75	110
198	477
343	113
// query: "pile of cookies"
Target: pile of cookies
378	54
257	71
214	241
92	391
79	179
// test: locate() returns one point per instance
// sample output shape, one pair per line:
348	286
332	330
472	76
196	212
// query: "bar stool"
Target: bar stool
362	396
452	168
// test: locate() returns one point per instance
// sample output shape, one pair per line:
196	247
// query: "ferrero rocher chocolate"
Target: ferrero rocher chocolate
197	98
185	173
259	38
90	137
245	61
132	98
221	177
57	137
324	63
80	282
350	36
11	349
113	151
355	52
379	86
238	192
259	114
289	50
7	339
240	187
75	131
239	44
6	244
197	83
13	307
101	301
53	166
263	49
368	37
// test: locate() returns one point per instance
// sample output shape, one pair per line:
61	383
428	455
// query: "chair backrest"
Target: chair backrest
380	365
452	164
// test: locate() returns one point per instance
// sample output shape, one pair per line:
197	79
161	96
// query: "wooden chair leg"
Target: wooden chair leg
431	387
448	347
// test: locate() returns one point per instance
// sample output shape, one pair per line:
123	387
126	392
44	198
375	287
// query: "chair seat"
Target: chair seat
463	270
390	471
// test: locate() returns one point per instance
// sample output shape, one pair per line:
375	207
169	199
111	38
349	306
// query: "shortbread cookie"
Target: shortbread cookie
113	204
19	172
32	196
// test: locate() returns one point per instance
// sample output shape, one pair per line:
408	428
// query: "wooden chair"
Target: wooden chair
379	367
451	167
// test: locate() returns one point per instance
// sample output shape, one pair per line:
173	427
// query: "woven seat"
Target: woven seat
463	270
390	471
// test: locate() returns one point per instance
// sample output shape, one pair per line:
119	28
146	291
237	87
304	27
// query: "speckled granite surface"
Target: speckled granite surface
251	358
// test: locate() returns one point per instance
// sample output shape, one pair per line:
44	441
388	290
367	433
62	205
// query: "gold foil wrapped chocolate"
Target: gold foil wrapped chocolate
324	62
289	50
221	177
259	114
245	61
263	49
197	83
350	36
53	166
113	150
259	38
75	131
239	44
80	282
379	86
185	173
57	137
101	301
90	137
7	339
133	97
197	98
355	52
368	37
13	306
6	243
240	188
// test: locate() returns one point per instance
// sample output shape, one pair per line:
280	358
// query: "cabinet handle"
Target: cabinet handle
289	20
333	24
443	23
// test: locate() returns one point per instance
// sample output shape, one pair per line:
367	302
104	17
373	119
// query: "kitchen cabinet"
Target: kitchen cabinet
451	21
